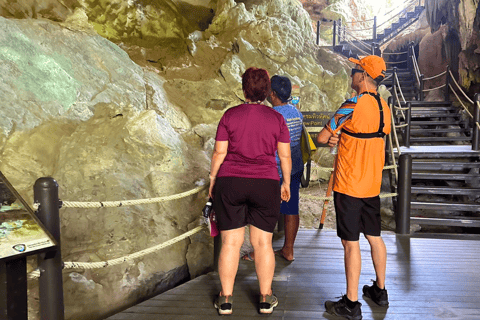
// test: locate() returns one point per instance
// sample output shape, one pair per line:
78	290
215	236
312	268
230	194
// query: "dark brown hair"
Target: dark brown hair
256	84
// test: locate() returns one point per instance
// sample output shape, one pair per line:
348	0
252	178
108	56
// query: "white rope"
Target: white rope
401	108
438	75
381	196
392	154
396	62
400	88
389	76
360	41
112	262
439	87
351	43
416	67
77	204
453	78
402	125
458	98
393	53
396	138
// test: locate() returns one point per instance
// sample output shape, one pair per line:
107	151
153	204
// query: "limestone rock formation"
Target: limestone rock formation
119	100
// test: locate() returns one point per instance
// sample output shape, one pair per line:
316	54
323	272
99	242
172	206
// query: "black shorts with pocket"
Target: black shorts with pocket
241	201
355	215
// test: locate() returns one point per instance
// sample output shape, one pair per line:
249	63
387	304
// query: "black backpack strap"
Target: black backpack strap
379	133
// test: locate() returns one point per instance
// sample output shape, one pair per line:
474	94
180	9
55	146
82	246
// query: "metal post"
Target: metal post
407	128
410	57
339	31
476	120
402	216
447	82
334	33
318	32
422	86
50	284
374	28
13	289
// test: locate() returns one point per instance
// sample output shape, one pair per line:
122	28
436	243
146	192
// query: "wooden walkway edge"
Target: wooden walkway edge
428	277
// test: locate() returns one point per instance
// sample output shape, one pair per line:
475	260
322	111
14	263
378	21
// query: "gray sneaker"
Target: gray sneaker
224	304
267	303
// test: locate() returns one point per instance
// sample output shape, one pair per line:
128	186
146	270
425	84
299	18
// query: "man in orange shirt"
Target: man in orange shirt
364	121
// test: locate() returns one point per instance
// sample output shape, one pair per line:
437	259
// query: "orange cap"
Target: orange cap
374	65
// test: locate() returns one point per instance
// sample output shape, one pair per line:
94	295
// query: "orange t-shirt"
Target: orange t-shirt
360	161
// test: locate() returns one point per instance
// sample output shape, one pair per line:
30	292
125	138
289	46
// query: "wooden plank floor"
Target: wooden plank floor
428	277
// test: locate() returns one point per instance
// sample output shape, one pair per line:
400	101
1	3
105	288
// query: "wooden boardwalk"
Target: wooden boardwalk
428	277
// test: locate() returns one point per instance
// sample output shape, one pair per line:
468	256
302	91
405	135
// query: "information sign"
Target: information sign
21	233
315	121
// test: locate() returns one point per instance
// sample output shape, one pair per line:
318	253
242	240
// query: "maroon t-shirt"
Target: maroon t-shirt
253	132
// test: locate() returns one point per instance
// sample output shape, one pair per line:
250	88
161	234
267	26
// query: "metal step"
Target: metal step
446	190
433	114
434	123
443	130
438	139
444	176
428	103
445	206
446	222
444	165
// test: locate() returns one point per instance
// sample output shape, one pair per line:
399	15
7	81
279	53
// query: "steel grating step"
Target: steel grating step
446	222
444	176
446	190
439	139
443	130
415	205
444	165
434	123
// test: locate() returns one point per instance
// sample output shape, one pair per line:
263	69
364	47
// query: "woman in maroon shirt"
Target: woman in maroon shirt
244	185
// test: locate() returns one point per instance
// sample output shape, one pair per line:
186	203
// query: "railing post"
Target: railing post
318	32
394	86
476	120
50	283
334	33
407	128
422	86
447	82
410	57
339	31
374	28
402	216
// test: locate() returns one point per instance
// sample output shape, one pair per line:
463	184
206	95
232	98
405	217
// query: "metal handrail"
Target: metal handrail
360	41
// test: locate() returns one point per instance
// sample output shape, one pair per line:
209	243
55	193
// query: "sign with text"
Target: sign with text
315	121
21	233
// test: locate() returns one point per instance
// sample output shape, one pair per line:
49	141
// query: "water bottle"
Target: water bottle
334	149
207	210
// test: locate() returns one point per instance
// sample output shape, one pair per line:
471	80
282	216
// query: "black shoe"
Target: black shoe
379	296
341	309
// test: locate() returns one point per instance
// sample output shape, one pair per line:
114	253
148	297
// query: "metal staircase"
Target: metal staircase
442	139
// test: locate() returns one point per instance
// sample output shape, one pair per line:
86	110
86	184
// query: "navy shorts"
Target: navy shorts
291	207
355	215
241	201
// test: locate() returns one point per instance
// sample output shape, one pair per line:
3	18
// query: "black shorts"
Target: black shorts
241	201
355	215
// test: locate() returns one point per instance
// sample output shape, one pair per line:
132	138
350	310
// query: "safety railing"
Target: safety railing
369	29
47	205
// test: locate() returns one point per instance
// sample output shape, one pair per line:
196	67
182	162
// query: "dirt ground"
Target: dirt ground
311	210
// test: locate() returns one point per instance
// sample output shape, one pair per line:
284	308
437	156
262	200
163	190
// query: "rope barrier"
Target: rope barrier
363	51
458	98
360	41
400	108
307	196
416	68
393	53
452	77
400	89
438	75
105	204
439	87
397	62
112	262
389	76
401	125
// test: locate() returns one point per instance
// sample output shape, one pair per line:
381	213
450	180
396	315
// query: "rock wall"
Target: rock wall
126	108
